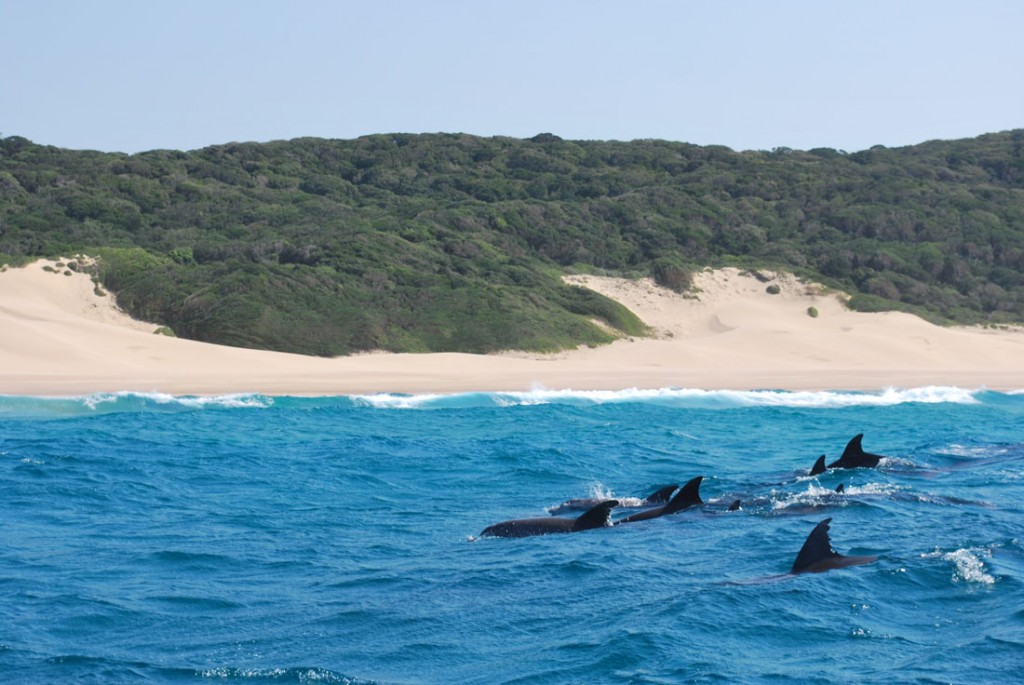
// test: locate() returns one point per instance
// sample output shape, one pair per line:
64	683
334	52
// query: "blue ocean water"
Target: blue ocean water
252	539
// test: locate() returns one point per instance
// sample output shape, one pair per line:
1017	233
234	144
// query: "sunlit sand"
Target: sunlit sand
59	336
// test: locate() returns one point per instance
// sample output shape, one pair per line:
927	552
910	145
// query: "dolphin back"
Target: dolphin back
596	517
854	456
687	496
817	554
661	496
817	548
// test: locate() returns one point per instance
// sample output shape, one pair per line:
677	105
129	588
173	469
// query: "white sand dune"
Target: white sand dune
59	337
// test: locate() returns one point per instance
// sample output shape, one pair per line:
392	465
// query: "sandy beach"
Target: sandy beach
59	337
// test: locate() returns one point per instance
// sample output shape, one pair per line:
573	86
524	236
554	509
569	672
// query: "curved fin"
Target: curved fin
854	456
662	495
687	496
735	506
819	466
596	517
817	547
840	488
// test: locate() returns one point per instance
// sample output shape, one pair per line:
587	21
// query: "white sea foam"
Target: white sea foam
673	397
816	494
303	675
685	397
968	566
390	401
956	450
886	397
598	490
98	401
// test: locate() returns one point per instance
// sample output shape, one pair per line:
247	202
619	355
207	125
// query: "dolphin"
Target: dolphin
855	457
687	496
595	517
819	466
817	554
657	497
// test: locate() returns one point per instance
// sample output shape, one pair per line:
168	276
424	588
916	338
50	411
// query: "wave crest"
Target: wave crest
680	397
117	402
688	398
968	566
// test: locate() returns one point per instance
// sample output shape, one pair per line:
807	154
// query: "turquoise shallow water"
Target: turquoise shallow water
251	539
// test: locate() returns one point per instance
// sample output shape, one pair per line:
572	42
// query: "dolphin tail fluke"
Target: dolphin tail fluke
597	516
687	496
819	466
662	495
817	548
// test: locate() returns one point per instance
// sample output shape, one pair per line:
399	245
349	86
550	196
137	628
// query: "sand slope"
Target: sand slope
58	337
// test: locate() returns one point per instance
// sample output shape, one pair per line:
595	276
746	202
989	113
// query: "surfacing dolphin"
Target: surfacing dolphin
595	517
817	554
687	496
659	496
855	457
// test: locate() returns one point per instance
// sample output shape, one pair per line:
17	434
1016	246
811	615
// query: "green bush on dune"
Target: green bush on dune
453	242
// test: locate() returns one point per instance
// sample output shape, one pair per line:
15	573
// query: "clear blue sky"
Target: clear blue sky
133	75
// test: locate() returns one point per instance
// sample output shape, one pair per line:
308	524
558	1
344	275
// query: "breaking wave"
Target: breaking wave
689	398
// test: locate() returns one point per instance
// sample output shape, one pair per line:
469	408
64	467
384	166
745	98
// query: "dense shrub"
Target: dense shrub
454	242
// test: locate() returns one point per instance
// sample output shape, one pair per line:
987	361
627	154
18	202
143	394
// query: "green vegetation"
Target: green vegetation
812	312
453	242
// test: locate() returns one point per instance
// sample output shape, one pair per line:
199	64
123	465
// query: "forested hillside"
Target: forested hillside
455	242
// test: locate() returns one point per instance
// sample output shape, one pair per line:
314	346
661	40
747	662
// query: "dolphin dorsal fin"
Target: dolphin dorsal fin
662	495
687	496
854	456
597	516
853	448
819	466
816	548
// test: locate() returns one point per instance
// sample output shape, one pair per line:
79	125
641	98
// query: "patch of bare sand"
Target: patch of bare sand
59	337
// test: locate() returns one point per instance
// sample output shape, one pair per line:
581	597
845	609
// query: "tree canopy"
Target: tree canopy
445	242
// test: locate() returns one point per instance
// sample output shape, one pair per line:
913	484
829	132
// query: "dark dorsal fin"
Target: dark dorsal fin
662	495
735	506
854	456
839	488
816	548
819	466
597	516
687	496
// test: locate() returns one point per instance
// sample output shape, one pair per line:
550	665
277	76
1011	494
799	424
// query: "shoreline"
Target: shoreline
59	338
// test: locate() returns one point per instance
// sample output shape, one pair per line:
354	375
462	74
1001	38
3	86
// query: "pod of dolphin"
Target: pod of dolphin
816	555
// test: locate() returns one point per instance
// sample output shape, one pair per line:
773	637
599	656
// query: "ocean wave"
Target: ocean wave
280	675
152	400
815	494
21	406
689	398
968	566
681	397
